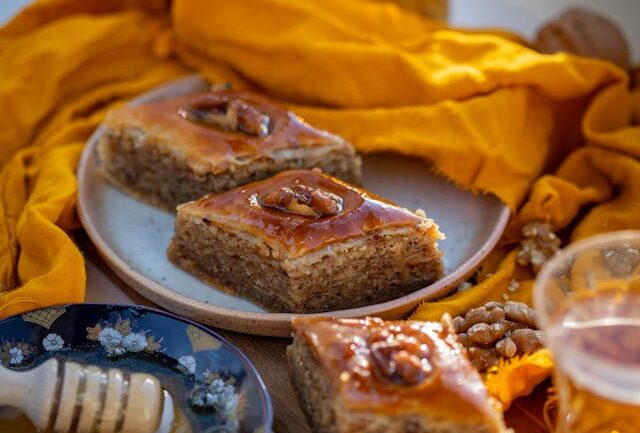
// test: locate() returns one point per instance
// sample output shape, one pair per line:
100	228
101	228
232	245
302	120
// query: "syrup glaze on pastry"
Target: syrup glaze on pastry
222	128
397	367
336	211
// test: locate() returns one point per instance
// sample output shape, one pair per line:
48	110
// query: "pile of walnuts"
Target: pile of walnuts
498	330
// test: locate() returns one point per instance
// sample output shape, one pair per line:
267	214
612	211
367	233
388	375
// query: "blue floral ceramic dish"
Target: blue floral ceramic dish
216	386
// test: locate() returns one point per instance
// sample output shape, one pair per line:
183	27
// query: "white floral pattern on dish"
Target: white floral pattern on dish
119	338
220	396
135	342
15	354
188	363
109	337
52	342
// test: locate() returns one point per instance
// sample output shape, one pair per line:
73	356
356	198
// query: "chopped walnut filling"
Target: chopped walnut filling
231	115
498	330
539	244
303	200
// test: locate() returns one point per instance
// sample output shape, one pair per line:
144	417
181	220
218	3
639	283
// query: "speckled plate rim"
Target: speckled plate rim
257	323
250	369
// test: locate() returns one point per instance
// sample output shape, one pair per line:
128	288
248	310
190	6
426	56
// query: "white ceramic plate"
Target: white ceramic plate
132	237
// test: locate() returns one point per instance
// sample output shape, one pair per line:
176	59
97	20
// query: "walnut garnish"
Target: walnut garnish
250	120
498	330
229	114
399	359
303	200
540	243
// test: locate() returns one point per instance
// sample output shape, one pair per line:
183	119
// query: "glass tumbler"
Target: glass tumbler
587	300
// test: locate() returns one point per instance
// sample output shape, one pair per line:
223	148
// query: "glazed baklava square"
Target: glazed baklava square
306	242
177	150
372	376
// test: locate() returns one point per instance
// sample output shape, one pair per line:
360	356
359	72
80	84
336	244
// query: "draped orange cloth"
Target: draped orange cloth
550	135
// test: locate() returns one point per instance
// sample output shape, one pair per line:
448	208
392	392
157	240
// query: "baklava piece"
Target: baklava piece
372	376
306	242
177	150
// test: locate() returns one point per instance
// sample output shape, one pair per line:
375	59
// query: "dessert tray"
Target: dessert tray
133	236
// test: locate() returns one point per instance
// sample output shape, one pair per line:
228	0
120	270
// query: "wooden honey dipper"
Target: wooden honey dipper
69	397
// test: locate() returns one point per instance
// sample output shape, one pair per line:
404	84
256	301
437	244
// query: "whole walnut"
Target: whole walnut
586	33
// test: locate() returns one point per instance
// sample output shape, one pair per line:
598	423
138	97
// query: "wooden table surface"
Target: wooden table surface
268	355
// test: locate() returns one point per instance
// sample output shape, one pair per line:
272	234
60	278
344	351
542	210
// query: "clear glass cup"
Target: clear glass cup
587	300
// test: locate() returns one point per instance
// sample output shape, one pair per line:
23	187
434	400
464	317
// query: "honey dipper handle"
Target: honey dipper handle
104	401
32	391
71	397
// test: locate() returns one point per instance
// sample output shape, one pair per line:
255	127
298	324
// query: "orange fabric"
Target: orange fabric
63	64
518	376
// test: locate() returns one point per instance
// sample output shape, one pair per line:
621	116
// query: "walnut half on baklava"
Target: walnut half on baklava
306	242
372	376
176	150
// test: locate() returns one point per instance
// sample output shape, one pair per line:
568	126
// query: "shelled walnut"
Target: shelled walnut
399	359
229	114
498	330
303	200
538	245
